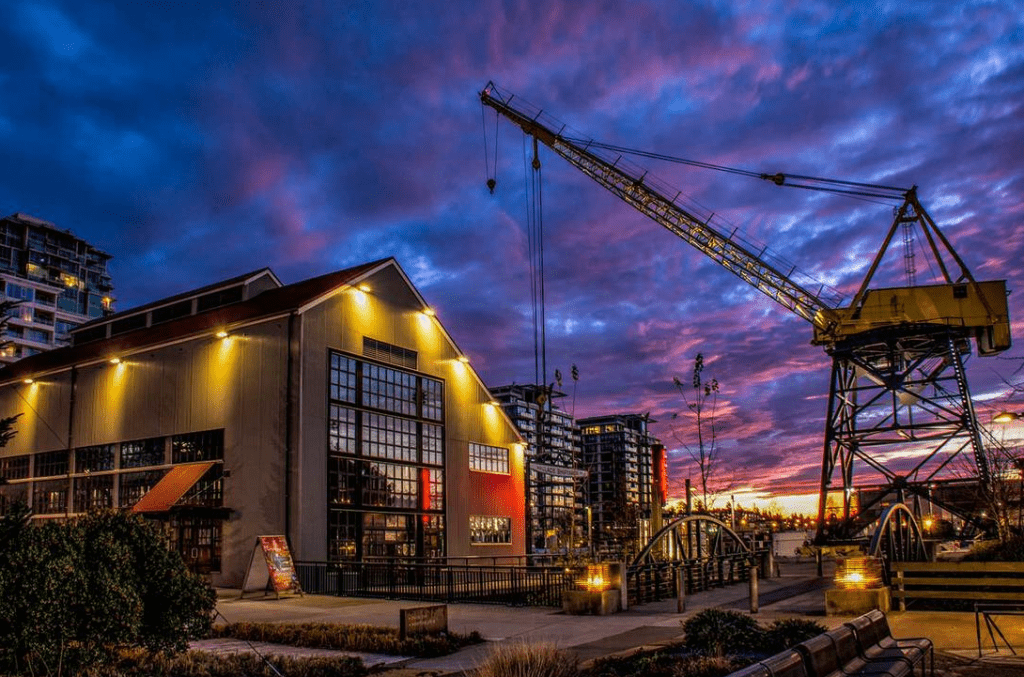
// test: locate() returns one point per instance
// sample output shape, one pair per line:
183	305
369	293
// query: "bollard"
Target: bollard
680	591
817	557
771	563
754	594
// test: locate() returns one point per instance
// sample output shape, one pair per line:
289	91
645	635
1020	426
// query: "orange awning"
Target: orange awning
171	487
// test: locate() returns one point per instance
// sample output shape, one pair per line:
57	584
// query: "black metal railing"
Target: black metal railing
654	581
510	584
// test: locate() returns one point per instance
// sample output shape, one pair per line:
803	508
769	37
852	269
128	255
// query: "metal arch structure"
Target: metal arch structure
691	538
898	537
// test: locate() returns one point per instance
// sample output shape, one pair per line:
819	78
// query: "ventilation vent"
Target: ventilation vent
385	352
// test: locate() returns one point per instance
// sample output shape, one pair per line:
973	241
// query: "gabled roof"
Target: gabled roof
271	303
230	282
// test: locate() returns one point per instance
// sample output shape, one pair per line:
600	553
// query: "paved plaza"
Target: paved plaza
797	592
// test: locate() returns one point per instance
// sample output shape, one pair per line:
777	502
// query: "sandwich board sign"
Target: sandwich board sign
271	568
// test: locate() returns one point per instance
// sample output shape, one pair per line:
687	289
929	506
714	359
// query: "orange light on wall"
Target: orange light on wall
660	468
598	578
859	573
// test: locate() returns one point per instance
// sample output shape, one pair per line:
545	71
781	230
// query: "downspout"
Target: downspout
289	414
71	437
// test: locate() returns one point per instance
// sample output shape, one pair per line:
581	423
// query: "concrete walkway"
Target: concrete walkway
796	593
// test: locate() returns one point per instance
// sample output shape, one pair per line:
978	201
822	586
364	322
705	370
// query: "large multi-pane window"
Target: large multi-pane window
487	530
94	493
202	446
385	459
485	458
142	453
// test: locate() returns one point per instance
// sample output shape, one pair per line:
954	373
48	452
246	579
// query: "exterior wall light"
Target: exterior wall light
429	312
463	359
115	360
221	334
1006	417
365	288
28	381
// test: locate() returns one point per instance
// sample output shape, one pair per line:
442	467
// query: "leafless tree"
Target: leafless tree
701	444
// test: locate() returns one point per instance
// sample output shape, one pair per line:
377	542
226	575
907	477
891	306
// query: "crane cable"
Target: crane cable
851	188
490	173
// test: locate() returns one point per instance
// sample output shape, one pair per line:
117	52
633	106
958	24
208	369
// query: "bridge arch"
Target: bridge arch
690	538
898	537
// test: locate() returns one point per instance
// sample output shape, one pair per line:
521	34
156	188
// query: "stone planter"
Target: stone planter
853	602
584	602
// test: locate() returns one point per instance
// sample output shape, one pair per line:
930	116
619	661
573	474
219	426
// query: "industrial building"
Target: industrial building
336	411
626	486
58	281
555	482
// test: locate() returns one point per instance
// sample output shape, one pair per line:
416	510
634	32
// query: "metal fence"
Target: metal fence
510	584
484	581
656	581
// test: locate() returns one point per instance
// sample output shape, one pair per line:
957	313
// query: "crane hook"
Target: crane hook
491	183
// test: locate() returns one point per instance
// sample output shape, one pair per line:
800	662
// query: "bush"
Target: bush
1011	550
787	633
366	638
529	660
715	632
75	593
201	664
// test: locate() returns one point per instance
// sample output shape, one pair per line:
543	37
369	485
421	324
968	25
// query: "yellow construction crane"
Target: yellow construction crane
897	352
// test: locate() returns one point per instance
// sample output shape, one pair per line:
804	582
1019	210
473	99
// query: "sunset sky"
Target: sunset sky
198	140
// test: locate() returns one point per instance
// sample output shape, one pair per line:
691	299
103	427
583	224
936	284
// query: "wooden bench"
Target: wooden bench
978	582
862	648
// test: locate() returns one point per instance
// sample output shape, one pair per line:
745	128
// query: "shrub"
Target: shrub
705	666
367	638
75	593
715	632
529	660
1011	550
787	633
201	664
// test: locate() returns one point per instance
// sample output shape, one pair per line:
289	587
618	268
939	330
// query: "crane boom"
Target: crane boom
699	233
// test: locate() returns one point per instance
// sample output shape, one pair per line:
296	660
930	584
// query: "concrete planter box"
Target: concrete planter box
839	602
586	602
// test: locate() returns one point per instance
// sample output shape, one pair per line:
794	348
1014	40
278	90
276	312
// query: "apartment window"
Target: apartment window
94	459
142	453
484	530
202	446
16	291
51	464
485	458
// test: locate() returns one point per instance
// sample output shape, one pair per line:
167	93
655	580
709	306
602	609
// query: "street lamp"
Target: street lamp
1006	416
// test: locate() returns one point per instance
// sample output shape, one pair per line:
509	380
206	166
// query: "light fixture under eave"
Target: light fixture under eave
365	288
429	312
1005	417
28	381
115	360
463	359
221	334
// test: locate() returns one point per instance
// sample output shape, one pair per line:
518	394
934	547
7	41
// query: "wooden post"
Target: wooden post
754	594
817	559
680	591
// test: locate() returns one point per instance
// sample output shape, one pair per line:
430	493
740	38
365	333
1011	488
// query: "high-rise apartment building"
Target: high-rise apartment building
554	479
625	487
59	281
